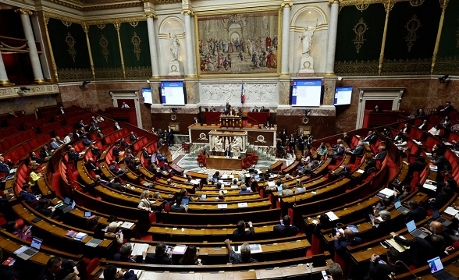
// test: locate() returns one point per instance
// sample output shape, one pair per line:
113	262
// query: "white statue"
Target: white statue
236	143
218	145
306	38
175	46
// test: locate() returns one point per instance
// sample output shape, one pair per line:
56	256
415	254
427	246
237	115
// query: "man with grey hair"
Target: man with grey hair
125	253
382	226
243	257
335	272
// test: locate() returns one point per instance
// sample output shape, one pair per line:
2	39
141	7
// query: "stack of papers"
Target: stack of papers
139	248
222	206
242	204
127	225
179	249
451	211
430	187
396	246
80	236
386	193
332	216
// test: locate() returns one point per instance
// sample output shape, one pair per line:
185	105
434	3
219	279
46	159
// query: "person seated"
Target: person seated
241	234
380	269
419	113
402	142
243	257
416	213
345	238
424	125
95	151
447	108
85	141
73	155
57	268
111	273
123	143
335	272
93	126
284	229
435	130
68	138
228	152
190	257
44	153
112	183
115	170
34	175
371	137
45	208
358	150
244	189
177	207
132	136
383	225
400	195
381	155
125	253
160	256
117	126
345	172
322	150
447	237
216	177
33	157
146	155
419	252
54	144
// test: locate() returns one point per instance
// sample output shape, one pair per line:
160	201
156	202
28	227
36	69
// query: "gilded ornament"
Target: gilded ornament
416	3
100	26
103	42
412	26
362	6
135	40
134	23
71	44
359	29
66	23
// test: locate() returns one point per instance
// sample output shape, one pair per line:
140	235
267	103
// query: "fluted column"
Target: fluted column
3	76
332	31
152	45
190	69
286	5
33	53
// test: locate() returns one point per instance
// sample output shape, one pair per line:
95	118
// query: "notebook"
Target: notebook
400	208
411	226
94	242
437	217
436	268
26	252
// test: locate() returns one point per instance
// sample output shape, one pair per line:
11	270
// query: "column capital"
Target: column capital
187	12
85	28
444	3
151	15
24	11
287	2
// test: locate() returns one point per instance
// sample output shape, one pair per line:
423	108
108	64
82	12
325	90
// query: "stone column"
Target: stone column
33	53
190	69
3	76
331	44
152	44
286	5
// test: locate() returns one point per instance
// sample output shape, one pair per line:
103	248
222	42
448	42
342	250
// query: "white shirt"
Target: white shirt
67	139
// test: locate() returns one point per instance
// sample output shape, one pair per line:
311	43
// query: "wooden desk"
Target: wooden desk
222	163
231	206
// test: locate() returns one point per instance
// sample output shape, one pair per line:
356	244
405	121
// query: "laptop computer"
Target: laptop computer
400	208
279	188
437	269
26	252
185	200
437	217
411	226
87	214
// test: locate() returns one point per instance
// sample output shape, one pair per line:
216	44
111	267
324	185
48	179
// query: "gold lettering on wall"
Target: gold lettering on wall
359	29
412	26
71	44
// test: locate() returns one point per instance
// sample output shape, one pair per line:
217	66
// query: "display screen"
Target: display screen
146	95
343	96
172	93
306	93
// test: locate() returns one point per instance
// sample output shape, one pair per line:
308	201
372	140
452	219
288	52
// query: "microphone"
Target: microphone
397	263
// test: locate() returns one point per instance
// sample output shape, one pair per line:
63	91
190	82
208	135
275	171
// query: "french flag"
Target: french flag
242	94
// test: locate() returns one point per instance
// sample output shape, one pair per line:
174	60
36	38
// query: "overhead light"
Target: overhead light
443	79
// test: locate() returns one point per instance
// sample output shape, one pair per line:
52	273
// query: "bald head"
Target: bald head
436	227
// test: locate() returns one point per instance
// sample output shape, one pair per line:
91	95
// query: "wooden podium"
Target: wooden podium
230	121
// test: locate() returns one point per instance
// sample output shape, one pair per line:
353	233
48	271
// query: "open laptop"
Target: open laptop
437	217
87	214
185	200
436	268
411	226
26	252
94	242
400	208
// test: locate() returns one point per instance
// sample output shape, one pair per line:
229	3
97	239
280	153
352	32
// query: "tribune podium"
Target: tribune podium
230	121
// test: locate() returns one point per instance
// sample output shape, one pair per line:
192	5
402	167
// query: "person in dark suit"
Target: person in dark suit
344	239
358	150
110	273
291	143
116	152
132	137
381	155
448	107
420	250
169	136
424	125
160	256
285	229
228	152
125	253
241	234
177	207
346	138
381	270
381	228
417	212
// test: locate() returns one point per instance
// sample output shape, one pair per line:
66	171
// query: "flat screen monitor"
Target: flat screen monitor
306	93
172	93
146	95
343	96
